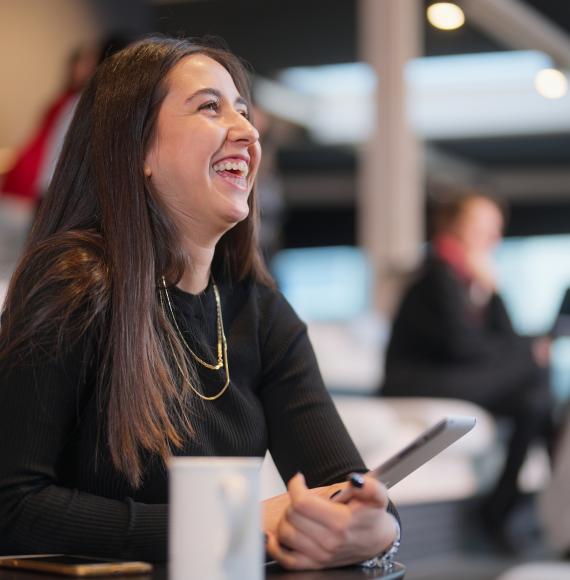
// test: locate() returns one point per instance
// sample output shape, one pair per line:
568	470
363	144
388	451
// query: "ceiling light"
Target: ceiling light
550	83
445	15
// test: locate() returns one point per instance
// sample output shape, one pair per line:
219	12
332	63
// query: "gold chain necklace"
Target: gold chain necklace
222	345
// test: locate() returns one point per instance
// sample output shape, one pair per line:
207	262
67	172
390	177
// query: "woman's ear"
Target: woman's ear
147	170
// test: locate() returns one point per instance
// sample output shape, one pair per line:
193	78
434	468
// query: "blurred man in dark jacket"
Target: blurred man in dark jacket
452	337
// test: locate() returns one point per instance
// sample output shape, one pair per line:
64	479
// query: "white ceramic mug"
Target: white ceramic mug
215	519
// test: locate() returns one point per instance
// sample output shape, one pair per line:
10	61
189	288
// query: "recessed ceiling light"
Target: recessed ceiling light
445	15
550	83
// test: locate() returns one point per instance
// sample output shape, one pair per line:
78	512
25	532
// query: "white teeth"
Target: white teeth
240	166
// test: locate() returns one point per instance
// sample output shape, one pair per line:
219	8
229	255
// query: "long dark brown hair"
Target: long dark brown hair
99	246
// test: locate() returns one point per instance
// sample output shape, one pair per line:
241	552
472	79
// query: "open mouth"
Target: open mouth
235	168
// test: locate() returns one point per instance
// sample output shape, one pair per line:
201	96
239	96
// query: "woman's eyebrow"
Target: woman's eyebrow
206	91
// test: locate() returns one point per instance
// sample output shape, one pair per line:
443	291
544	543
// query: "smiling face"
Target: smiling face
204	156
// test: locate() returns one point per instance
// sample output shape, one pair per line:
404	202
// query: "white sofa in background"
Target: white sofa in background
458	472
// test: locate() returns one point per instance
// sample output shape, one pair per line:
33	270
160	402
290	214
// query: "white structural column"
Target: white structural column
391	174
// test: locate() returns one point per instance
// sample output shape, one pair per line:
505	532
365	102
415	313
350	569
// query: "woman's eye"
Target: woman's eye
210	106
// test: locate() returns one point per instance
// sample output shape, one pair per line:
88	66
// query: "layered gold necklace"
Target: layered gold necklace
222	345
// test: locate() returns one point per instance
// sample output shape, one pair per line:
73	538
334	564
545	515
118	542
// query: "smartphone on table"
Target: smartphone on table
65	565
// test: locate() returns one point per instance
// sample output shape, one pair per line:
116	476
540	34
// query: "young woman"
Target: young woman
142	323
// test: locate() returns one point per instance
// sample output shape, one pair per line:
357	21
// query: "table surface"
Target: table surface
273	572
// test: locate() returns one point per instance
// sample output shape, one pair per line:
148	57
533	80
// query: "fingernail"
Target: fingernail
356	480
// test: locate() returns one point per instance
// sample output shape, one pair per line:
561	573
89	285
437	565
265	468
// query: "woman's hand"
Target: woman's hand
314	532
275	507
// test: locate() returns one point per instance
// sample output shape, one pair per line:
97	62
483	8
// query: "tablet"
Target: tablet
422	449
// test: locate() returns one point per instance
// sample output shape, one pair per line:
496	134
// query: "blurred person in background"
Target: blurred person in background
33	165
142	323
29	175
452	337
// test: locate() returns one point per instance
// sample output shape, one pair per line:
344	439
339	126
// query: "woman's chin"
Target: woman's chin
236	214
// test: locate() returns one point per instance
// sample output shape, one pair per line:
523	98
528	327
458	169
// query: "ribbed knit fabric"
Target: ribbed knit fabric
58	495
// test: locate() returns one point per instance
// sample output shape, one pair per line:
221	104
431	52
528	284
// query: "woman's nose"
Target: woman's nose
242	130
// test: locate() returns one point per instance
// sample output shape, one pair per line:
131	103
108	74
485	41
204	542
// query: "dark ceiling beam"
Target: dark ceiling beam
522	184
269	34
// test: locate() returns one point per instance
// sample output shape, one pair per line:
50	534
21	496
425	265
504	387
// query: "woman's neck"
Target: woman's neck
197	272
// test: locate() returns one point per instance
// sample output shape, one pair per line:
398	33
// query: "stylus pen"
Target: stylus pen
355	479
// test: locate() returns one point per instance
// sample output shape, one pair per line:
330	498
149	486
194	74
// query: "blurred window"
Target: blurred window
324	284
534	275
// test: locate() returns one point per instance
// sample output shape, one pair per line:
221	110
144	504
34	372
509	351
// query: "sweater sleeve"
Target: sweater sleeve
306	433
40	405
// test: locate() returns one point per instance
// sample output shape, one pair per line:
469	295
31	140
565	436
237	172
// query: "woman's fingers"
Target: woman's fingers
314	507
335	518
312	525
328	540
371	493
289	558
328	490
297	486
316	532
296	536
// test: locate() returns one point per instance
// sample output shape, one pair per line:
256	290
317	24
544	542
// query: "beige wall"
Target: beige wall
36	37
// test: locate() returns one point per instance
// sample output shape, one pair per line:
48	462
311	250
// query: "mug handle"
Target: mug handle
235	496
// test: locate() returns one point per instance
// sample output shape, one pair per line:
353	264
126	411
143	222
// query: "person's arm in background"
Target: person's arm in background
540	346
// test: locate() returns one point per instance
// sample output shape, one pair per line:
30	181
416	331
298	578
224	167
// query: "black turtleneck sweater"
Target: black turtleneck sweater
59	491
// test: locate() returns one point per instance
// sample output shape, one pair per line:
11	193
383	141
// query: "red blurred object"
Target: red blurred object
22	179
